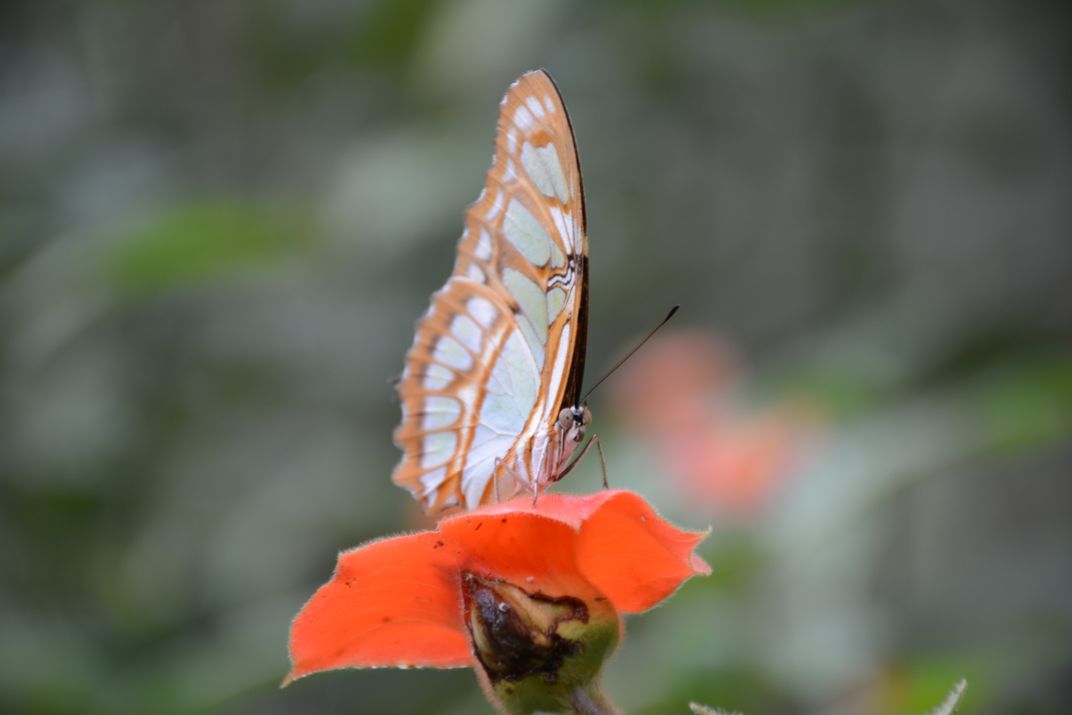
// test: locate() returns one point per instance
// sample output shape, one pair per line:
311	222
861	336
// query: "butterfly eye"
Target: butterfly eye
586	416
565	418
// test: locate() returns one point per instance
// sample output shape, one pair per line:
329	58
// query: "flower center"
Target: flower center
515	633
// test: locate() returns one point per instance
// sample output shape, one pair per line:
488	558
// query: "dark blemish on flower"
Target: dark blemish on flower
502	520
478	525
513	647
386	619
600	599
438	545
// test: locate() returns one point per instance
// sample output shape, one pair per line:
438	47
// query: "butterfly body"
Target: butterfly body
492	382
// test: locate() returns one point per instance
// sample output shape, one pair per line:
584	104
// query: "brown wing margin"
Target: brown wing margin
572	394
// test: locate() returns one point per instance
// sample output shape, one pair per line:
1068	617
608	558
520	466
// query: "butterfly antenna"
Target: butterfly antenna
628	355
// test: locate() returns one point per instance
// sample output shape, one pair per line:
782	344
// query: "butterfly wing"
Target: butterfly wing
501	348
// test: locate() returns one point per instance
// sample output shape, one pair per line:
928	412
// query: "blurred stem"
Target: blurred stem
591	701
949	706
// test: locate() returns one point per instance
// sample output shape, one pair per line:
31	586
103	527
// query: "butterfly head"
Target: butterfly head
573	421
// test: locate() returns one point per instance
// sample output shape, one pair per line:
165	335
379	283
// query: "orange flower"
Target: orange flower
665	387
728	460
517	591
734	463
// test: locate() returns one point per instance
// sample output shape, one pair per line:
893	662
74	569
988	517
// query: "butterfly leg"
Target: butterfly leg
497	472
580	456
602	459
495	478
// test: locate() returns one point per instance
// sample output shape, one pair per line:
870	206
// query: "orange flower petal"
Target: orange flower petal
394	602
533	548
612	540
570	509
633	555
398	602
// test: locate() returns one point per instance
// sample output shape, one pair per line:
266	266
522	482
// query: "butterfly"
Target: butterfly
491	388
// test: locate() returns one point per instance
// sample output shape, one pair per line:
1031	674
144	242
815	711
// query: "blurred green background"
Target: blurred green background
219	221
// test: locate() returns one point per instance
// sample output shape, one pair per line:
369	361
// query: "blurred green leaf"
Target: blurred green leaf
949	705
197	242
1026	403
383	35
843	390
391	32
928	686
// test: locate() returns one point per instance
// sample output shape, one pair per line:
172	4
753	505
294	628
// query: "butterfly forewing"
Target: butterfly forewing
501	348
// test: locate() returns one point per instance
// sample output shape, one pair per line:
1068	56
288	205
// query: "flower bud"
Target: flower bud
537	652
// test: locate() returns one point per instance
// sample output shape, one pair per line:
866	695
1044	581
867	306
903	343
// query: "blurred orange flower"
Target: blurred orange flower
665	387
734	462
725	459
509	588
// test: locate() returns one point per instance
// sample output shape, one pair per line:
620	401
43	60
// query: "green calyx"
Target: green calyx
538	653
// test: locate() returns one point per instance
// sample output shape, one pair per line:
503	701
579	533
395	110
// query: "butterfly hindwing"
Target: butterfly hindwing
501	348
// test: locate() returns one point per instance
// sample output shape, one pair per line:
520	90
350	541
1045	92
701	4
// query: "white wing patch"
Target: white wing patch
524	231
483	245
475	274
558	371
430	481
440	412
523	118
438	448
496	206
534	106
482	310
565	229
510	171
533	302
558	259
512	388
436	377
467	332
449	352
556	298
545	170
